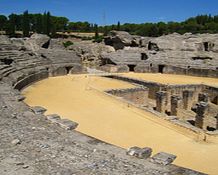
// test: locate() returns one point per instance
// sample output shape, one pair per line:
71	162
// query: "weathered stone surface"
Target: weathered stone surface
57	71
119	39
64	123
141	153
90	52
53	118
38	110
16	141
37	41
115	68
142	68
4	39
183	54
78	69
67	124
163	158
20	98
56	44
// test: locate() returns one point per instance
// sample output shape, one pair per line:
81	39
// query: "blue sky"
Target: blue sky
111	11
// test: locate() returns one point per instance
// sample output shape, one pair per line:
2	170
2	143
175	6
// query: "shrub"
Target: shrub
67	44
98	39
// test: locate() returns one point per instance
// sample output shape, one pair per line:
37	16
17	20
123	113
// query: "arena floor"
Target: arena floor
81	99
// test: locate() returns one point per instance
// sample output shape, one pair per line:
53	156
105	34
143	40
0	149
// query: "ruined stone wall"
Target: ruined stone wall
189	94
153	67
31	79
212	94
137	96
153	87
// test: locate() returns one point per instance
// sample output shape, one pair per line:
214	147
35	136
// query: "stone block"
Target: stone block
20	98
141	153
67	124
38	110
163	158
53	118
64	123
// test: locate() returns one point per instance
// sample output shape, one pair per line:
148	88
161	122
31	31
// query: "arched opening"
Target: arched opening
68	68
131	67
144	56
161	68
206	46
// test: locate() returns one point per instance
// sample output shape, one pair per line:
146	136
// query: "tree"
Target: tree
10	26
60	23
39	23
3	21
96	31
118	25
46	23
26	24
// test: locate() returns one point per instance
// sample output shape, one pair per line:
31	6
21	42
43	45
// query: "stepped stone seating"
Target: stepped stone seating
22	57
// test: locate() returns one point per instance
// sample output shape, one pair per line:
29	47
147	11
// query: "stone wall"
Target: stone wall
153	87
137	96
170	69
180	101
31	79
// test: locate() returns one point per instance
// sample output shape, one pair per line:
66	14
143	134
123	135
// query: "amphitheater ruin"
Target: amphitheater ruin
130	105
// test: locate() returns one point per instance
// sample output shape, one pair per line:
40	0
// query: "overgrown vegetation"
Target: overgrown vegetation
48	24
67	44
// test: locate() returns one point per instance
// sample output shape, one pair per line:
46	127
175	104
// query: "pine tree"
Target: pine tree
48	18
10	26
118	26
26	24
44	24
39	23
96	31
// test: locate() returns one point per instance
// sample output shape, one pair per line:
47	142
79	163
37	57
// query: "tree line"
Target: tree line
47	24
198	24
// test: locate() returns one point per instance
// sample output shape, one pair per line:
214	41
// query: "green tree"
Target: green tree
26	24
118	26
11	25
96	31
48	23
3	22
39	23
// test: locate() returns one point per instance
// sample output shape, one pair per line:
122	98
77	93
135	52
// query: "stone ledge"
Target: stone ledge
38	110
64	123
163	158
141	153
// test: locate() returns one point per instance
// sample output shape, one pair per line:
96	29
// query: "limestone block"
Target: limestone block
141	153
38	110
163	158
67	124
64	123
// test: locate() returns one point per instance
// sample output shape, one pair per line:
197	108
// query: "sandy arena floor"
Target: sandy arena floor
80	98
